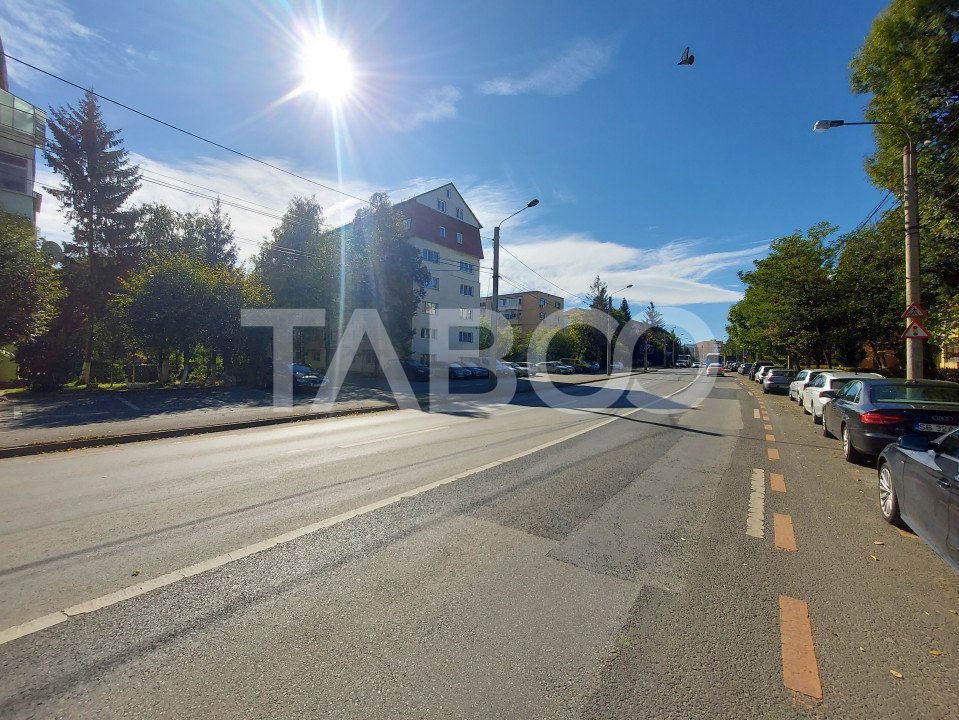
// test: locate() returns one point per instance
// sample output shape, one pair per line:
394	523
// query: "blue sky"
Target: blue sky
670	178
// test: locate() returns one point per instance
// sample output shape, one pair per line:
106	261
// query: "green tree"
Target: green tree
30	288
210	236
97	180
909	68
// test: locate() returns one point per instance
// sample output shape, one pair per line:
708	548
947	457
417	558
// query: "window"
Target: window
466	267
428	333
430	255
429	308
459	238
558	304
466	314
442	231
408	224
13	172
449	193
459	213
466	290
433	284
542	316
465	336
441	205
542	302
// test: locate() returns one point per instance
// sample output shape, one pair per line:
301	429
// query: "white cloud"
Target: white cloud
44	33
585	60
435	105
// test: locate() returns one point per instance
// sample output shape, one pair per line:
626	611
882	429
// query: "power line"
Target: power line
187	132
542	277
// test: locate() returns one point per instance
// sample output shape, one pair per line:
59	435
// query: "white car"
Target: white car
761	372
803	378
812	401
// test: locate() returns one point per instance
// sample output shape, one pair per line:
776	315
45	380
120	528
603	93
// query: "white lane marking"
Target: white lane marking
757	501
390	437
16	411
132	591
756	413
128	404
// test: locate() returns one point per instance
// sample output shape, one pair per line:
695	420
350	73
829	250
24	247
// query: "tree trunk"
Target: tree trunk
88	354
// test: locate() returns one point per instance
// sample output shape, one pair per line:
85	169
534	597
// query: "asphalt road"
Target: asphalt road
513	561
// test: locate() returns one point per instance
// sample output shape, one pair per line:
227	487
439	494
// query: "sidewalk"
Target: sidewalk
35	423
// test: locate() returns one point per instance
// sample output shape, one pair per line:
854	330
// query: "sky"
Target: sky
670	178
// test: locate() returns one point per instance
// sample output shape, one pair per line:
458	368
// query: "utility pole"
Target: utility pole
913	345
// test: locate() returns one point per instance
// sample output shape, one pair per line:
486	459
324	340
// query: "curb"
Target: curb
105	440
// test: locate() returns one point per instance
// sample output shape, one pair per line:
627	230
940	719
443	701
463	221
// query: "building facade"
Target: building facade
525	310
447	234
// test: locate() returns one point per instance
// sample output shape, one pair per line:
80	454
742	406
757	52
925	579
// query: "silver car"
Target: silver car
801	381
777	380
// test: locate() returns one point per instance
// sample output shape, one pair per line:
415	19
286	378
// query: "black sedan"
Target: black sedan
919	482
869	413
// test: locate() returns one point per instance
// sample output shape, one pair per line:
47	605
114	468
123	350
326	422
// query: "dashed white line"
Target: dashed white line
128	404
757	504
391	437
756	413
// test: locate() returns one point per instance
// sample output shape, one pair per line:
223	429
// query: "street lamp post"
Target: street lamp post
495	298
911	207
609	334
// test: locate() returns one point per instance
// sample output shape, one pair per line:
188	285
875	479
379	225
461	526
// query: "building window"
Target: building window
13	172
429	308
459	213
441	205
466	267
449	193
459	238
466	314
430	255
408	224
442	231
542	302
542	316
466	336
428	333
558	305
466	290
433	284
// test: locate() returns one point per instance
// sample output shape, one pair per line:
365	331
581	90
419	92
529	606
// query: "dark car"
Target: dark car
415	370
919	483
870	413
756	365
777	380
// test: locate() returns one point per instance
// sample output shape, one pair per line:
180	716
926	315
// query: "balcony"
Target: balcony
19	118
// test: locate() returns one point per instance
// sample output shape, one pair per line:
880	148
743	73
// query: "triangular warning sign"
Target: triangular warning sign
915	331
914	311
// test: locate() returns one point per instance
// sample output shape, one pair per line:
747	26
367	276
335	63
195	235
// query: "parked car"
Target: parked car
755	367
714	369
868	414
305	377
695	364
505	369
744	369
778	380
555	367
617	366
528	368
457	371
578	366
799	383
414	370
919	483
812	401
763	369
478	370
594	367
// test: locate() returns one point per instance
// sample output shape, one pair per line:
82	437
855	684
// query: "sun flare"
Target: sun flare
327	69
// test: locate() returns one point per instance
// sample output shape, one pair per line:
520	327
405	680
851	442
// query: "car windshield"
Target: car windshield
303	369
939	394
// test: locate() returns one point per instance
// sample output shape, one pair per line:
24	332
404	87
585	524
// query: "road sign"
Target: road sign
915	331
915	311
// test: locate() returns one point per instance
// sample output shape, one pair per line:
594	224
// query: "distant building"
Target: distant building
525	310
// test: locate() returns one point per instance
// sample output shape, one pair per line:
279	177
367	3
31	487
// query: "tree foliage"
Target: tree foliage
30	288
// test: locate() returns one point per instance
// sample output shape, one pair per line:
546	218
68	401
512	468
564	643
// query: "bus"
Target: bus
713	358
684	361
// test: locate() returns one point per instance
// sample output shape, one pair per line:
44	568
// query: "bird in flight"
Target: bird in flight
687	59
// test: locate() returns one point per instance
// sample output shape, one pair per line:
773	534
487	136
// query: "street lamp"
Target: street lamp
495	299
609	334
911	205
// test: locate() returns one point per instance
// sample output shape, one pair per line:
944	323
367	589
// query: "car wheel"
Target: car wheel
817	419
888	502
848	451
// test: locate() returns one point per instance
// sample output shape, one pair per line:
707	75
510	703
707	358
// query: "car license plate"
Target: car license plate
934	428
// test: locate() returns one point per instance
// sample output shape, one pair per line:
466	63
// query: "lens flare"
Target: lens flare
327	70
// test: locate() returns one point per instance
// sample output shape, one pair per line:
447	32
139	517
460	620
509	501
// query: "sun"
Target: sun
327	69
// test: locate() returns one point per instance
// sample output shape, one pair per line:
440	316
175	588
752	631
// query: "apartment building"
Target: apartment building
525	310
447	234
